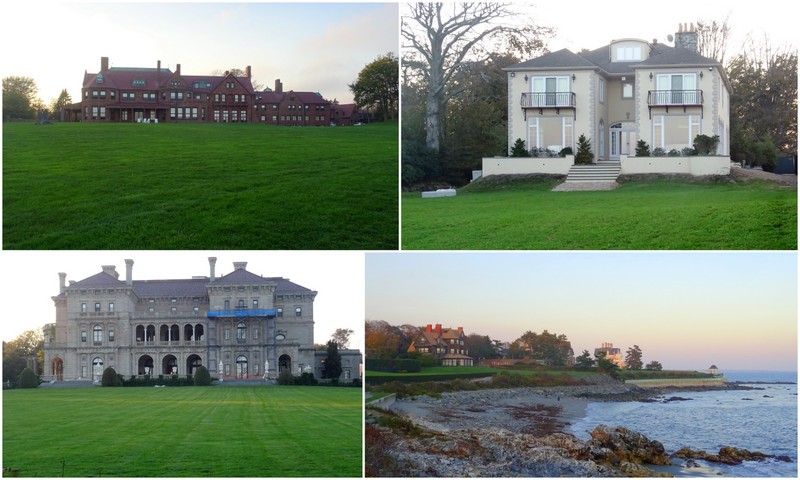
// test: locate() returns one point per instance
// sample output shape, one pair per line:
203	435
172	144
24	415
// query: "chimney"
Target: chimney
460	330
129	271
158	66
686	37
278	86
212	262
103	64
62	277
428	328
438	328
240	265
247	71
178	69
111	270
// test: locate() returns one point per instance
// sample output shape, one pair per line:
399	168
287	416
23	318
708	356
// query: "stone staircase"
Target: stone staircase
602	171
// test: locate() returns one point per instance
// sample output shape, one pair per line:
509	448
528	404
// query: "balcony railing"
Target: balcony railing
674	98
548	100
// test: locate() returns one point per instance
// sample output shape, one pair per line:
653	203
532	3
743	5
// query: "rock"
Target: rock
727	456
627	445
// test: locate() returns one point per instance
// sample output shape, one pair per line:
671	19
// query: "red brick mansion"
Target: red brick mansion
122	94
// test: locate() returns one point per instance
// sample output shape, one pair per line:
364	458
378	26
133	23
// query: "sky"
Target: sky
30	279
318	47
737	310
588	24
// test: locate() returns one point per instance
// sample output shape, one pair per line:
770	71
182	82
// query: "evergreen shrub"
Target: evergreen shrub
201	377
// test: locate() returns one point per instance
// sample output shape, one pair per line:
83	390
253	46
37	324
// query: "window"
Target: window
83	335
241	331
196	310
551	133
227	334
138	83
225	114
111	307
227	305
678	88
97	307
240	303
216	116
628	54
216	97
601	87
627	89
173	310
97	334
94	94
111	335
255	304
83	308
255	334
550	91
298	312
102	112
244	116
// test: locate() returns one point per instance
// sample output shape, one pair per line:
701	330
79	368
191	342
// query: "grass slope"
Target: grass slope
654	214
179	186
183	432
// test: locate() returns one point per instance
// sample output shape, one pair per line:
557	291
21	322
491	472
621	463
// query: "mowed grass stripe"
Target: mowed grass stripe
641	215
184	432
169	186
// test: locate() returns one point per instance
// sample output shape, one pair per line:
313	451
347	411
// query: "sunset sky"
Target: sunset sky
687	310
30	278
317	47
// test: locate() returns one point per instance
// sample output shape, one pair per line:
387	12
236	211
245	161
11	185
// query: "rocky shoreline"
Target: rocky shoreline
521	432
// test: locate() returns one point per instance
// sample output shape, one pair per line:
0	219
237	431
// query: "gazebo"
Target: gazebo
713	370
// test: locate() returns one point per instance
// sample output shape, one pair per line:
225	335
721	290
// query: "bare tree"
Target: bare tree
439	37
712	38
342	337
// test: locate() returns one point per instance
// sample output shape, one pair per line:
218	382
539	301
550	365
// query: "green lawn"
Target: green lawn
180	186
437	371
653	214
184	432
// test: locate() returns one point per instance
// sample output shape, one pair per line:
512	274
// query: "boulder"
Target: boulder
627	445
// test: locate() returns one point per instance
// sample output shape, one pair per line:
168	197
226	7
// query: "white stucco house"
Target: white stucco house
616	95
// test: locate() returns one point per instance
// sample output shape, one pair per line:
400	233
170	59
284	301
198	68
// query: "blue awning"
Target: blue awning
241	313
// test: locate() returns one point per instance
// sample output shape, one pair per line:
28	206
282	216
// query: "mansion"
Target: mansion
447	345
152	95
238	325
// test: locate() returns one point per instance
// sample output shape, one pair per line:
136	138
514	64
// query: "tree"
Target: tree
519	150
333	363
201	377
605	365
28	379
19	97
440	38
548	347
584	360
764	100
27	349
58	104
480	346
633	358
654	365
342	337
712	38
584	155
110	378
376	88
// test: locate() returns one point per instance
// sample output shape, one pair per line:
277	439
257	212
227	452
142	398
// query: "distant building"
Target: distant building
713	370
612	353
448	345
142	94
236	325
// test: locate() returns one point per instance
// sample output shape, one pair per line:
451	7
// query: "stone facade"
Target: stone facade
235	325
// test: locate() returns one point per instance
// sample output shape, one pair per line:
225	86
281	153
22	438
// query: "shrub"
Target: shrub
519	150
565	151
306	378
407	365
659	152
110	378
201	377
584	155
688	152
642	149
705	145
673	153
28	379
765	154
286	378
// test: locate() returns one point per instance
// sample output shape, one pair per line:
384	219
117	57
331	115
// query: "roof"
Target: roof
346	110
153	78
101	279
659	55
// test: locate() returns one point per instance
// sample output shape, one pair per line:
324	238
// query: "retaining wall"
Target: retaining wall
677	382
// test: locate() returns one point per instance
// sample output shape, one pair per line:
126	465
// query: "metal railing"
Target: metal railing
547	99
675	97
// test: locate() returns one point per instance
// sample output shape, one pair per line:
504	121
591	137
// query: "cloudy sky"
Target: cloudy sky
687	310
317	47
29	279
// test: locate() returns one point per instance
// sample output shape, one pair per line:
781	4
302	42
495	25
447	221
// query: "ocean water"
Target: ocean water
758	420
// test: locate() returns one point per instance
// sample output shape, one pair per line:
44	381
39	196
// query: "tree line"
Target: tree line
454	90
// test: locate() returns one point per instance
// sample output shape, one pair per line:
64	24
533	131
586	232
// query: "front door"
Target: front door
621	140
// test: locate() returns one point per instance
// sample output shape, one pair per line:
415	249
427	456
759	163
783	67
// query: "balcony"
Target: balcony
243	312
674	98
547	100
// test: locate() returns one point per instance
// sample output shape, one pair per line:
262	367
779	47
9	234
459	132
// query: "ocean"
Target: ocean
758	420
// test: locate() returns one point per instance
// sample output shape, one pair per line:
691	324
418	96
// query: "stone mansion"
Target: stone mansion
238	325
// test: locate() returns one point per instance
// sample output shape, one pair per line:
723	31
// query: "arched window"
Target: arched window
97	368
241	331
97	334
241	366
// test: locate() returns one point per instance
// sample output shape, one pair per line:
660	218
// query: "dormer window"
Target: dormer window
99	78
629	53
138	83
